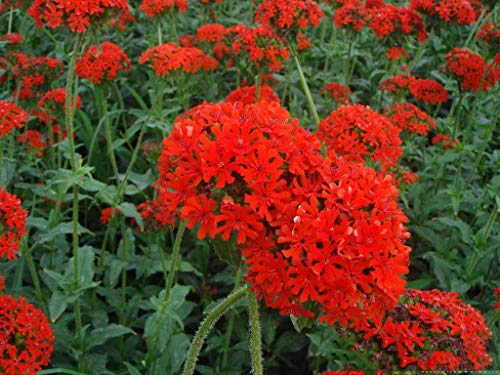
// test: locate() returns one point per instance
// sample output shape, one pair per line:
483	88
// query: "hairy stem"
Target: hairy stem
255	334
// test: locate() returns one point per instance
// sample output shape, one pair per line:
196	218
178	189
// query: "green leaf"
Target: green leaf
177	347
226	250
129	210
100	335
59	303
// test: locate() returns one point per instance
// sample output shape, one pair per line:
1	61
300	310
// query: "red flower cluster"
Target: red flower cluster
358	133
52	104
154	8
311	230
106	214
34	141
7	5
169	57
428	330
395	53
13	38
338	92
102	63
260	44
11	116
426	90
248	94
26	339
211	1
154	215
496	306
33	75
12	226
77	15
289	14
445	141
351	14
303	42
470	69
490	34
459	11
408	117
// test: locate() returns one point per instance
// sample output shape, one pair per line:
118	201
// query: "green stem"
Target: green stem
206	326
174	261
35	279
230	323
109	137
480	155
11	16
307	92
455	109
255	334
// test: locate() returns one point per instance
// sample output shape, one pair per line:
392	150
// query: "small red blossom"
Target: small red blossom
77	15
34	141
13	38
247	95
107	213
154	8
11	116
338	92
428	91
408	117
490	34
169	57
102	63
445	141
26	339
12	224
395	53
496	306
459	11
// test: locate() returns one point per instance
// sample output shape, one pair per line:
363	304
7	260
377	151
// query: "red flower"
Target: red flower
459	11
337	91
358	133
303	42
289	14
468	67
13	38
26	339
247	95
52	104
12	224
153	8
496	293
102	63
396	84
169	57
34	140
77	15
352	14
445	141
395	53
389	19
11	116
490	34
428	91
408	117
107	213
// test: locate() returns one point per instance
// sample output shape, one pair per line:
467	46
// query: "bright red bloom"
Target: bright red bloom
102	62
396	84
211	1
408	117
429	330
445	141
358	133
11	116
2	283
247	95
33	75
12	225
469	69
392	20
344	372
303	42
153	8
13	38
395	53
155	218
77	15
428	91
352	14
106	214
459	11
212	32
52	105
34	141
26	339
490	34
289	14
169	57
338	92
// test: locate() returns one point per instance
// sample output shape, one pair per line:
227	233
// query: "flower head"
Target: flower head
11	116
154	8
408	117
12	224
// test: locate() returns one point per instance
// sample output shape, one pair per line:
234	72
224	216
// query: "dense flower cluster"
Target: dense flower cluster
11	116
33	75
153	8
392	20
53	103
169	57
12	225
426	90
154	215
26	339
310	229
12	38
428	330
490	34
285	15
102	62
445	141
408	117
338	92
470	69
77	15
34	141
459	11
107	213
248	95
7	5
351	14
358	133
